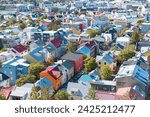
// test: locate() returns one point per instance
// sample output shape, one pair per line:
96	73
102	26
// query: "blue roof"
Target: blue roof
44	82
86	78
68	64
141	75
83	50
39	43
34	53
108	58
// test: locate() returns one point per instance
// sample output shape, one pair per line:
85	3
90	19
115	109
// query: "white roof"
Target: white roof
83	88
123	39
132	70
20	62
21	91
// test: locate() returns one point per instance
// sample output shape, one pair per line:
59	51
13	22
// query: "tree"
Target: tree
106	72
71	47
93	33
91	94
122	32
139	22
62	95
11	21
1	16
2	97
136	36
22	25
3	49
26	79
90	64
34	93
55	27
45	93
35	69
125	55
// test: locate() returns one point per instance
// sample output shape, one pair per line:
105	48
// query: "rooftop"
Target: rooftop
20	48
71	56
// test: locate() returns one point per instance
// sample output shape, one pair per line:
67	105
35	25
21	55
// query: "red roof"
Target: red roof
55	73
56	42
20	48
6	91
88	44
107	96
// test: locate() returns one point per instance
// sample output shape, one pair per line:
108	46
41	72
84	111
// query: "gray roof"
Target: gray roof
81	88
67	64
71	56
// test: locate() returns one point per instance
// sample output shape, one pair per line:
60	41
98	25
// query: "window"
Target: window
104	63
99	63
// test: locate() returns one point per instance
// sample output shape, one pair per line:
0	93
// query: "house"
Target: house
100	21
21	93
92	45
138	60
18	50
137	93
78	91
123	40
121	22
10	41
145	42
53	75
44	82
46	4
36	44
84	50
104	85
21	7
131	75
106	59
95	74
6	91
84	37
69	68
5	56
15	68
73	38
119	46
51	50
145	27
108	37
75	59
145	49
87	79
101	95
57	44
27	35
37	55
124	93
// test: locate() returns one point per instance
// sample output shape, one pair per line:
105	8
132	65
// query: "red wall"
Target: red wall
78	65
